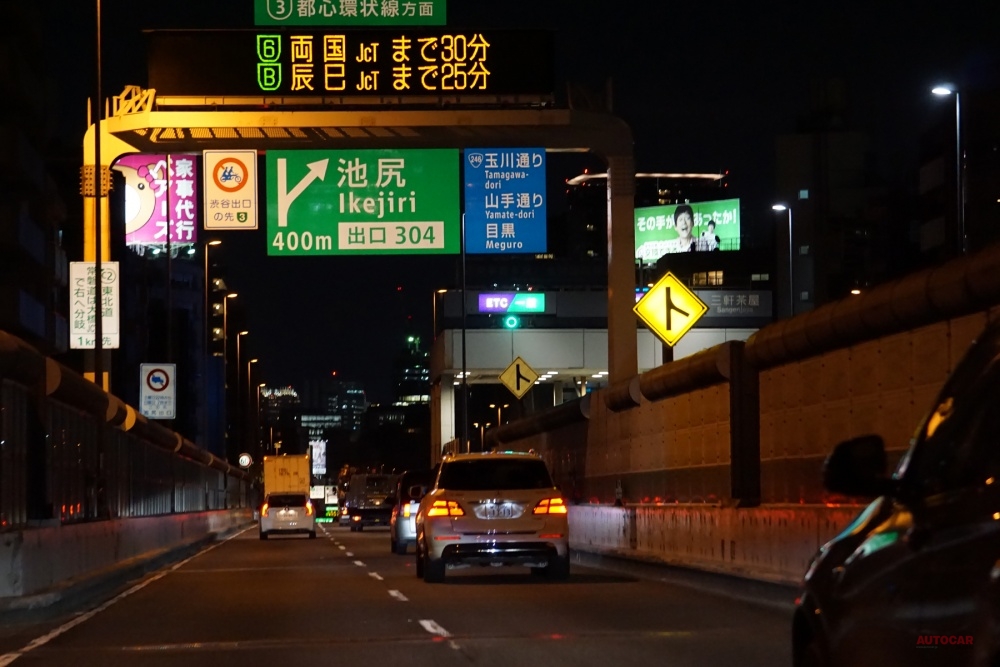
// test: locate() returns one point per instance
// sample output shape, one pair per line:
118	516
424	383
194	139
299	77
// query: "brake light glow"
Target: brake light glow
264	509
445	508
406	511
309	508
551	506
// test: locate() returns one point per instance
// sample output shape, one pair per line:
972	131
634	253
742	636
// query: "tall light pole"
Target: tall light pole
249	441
499	407
791	271
959	166
208	344
225	365
238	402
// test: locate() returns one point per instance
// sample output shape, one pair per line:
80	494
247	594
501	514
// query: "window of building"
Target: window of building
706	278
760	277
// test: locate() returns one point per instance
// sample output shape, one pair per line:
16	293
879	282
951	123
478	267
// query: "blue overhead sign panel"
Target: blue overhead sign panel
505	200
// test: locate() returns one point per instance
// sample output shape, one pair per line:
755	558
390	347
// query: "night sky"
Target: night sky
705	86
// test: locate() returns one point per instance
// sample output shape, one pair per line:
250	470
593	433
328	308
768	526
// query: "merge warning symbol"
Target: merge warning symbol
519	377
670	309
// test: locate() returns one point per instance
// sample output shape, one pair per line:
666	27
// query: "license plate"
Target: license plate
499	511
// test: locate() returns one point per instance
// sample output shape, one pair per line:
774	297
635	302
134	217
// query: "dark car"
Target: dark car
915	579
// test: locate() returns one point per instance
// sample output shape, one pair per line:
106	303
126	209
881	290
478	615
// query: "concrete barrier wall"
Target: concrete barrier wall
37	559
768	543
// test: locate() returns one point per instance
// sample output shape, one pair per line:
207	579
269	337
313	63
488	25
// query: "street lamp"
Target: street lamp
791	272
250	441
238	403
959	165
208	344
499	407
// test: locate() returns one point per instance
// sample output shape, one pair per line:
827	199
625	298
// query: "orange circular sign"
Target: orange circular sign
230	174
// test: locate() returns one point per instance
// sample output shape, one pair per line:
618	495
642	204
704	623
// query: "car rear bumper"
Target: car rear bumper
371	517
500	553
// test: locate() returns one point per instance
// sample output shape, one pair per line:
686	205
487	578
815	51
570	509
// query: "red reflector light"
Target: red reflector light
446	538
551	536
551	506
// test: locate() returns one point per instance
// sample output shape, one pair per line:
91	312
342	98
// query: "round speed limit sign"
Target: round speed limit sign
245	460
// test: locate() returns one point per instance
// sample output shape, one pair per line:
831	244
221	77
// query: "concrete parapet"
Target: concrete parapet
771	543
39	559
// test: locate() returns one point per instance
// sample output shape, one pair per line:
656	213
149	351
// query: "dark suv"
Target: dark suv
915	579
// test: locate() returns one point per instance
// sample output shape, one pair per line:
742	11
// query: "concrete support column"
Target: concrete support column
622	351
557	393
443	405
744	428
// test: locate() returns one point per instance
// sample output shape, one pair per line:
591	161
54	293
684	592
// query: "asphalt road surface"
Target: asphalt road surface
345	599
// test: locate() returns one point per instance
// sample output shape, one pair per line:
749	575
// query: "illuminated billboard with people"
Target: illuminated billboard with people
692	227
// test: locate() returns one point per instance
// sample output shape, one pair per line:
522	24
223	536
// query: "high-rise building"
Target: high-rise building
280	420
33	263
334	403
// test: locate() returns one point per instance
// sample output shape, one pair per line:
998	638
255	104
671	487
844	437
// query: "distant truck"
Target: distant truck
287	474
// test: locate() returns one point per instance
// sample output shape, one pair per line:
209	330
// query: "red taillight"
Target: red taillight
406	511
551	506
309	508
264	509
445	508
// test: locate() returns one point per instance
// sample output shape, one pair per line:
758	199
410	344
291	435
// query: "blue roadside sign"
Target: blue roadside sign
505	200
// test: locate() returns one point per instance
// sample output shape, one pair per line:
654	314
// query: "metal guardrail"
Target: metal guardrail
70	452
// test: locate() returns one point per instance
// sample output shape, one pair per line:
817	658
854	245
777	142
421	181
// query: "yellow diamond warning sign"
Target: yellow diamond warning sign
519	377
669	309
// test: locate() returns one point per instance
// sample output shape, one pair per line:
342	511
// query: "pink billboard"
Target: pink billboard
152	190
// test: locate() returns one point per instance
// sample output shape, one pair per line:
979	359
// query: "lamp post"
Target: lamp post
791	272
208	344
499	408
959	166
249	442
238	402
225	363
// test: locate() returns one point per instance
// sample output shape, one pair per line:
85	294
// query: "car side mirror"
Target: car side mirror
417	491
857	467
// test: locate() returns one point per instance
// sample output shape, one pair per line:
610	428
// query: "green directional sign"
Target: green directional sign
363	202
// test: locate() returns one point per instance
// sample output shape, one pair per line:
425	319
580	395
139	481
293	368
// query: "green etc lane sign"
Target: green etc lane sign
363	202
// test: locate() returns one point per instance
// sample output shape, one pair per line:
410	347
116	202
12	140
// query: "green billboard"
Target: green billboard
363	202
691	227
350	12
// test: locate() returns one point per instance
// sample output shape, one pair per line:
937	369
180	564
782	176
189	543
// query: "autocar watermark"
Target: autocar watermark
936	641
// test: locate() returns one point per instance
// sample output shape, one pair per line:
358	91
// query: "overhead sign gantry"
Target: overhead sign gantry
202	101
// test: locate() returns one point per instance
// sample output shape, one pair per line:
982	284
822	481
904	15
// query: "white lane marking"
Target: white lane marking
349	554
433	628
8	658
359	563
341	547
399	596
376	576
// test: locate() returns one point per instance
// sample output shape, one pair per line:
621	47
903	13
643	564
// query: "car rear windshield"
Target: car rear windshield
488	474
379	483
287	500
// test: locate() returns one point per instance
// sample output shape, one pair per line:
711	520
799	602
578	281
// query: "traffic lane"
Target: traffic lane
287	601
417	626
491	612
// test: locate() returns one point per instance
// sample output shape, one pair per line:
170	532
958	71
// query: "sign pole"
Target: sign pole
465	374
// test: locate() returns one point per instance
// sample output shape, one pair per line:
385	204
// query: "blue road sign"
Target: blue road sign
505	200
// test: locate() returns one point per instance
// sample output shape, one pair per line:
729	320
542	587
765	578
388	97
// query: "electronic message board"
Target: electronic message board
396	62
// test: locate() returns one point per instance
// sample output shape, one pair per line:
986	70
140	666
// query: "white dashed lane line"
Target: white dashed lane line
349	554
359	563
339	546
376	576
399	596
435	629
